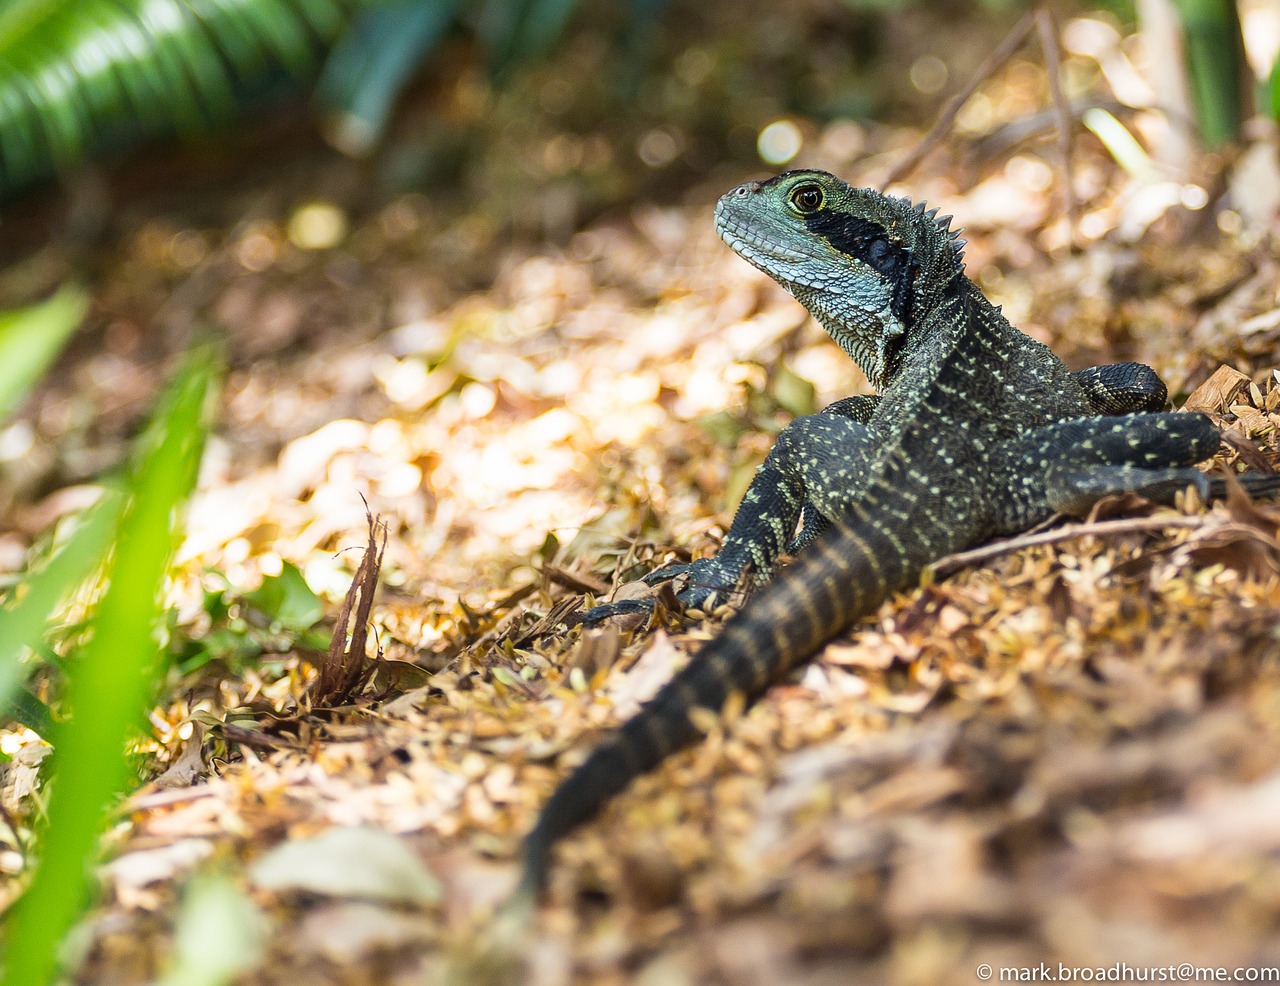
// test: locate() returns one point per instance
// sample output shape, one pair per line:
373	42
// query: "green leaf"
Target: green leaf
220	934
22	624
372	62
1215	66
235	645
723	428
28	710
113	677
518	30
287	601
30	340
83	78
794	393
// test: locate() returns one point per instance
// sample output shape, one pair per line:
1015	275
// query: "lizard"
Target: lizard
977	431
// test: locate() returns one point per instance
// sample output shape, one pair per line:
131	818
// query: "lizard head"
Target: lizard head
853	257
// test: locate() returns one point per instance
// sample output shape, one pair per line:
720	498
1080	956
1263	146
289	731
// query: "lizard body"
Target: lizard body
978	431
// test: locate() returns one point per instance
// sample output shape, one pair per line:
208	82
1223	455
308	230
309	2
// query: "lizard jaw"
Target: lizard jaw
753	246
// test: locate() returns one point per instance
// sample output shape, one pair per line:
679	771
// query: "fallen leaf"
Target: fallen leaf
348	931
148	866
643	679
366	863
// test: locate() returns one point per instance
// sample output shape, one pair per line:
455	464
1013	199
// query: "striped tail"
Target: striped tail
839	579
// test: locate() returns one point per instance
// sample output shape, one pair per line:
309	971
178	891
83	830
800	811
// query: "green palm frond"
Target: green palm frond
80	78
95	76
373	61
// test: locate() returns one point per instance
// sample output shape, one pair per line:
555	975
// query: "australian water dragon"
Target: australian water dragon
978	431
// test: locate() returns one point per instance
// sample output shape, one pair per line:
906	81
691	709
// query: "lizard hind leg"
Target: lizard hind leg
1069	466
1140	453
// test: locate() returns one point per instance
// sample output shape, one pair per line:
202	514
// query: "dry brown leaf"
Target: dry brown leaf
640	682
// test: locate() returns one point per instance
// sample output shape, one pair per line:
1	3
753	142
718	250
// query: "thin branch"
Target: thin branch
1099	528
947	118
1062	110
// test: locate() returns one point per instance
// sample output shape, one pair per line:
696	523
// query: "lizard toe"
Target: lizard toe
597	615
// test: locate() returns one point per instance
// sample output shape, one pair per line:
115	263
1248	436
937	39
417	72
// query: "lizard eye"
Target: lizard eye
807	198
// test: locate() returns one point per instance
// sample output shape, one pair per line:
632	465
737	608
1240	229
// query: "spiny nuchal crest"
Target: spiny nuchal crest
858	260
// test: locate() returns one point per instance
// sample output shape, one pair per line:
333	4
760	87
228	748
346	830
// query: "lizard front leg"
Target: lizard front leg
816	467
813	521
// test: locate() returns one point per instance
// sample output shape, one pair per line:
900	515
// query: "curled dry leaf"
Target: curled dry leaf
640	682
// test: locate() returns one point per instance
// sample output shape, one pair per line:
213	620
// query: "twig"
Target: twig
942	126
575	581
1099	528
1062	110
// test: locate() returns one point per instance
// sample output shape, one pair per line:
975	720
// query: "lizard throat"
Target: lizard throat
873	339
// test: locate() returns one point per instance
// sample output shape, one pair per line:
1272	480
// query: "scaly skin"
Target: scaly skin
979	430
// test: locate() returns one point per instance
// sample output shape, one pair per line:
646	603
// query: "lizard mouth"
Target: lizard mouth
751	243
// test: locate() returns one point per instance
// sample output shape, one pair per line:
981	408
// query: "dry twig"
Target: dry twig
1062	110
1040	19
947	118
1100	528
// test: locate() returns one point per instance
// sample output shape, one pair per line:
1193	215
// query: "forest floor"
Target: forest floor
1067	752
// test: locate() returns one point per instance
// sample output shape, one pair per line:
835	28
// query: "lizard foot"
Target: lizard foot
696	585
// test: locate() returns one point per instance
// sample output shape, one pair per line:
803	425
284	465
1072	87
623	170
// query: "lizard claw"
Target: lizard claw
700	587
668	572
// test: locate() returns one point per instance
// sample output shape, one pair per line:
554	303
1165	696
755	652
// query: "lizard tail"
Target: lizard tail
839	579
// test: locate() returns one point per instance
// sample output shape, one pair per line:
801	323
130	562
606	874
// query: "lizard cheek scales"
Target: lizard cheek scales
978	430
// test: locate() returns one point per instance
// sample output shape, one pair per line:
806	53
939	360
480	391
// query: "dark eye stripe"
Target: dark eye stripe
870	243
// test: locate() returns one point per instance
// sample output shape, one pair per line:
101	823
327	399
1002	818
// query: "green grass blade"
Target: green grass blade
112	680
1271	98
1215	67
31	338
1122	145
22	624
